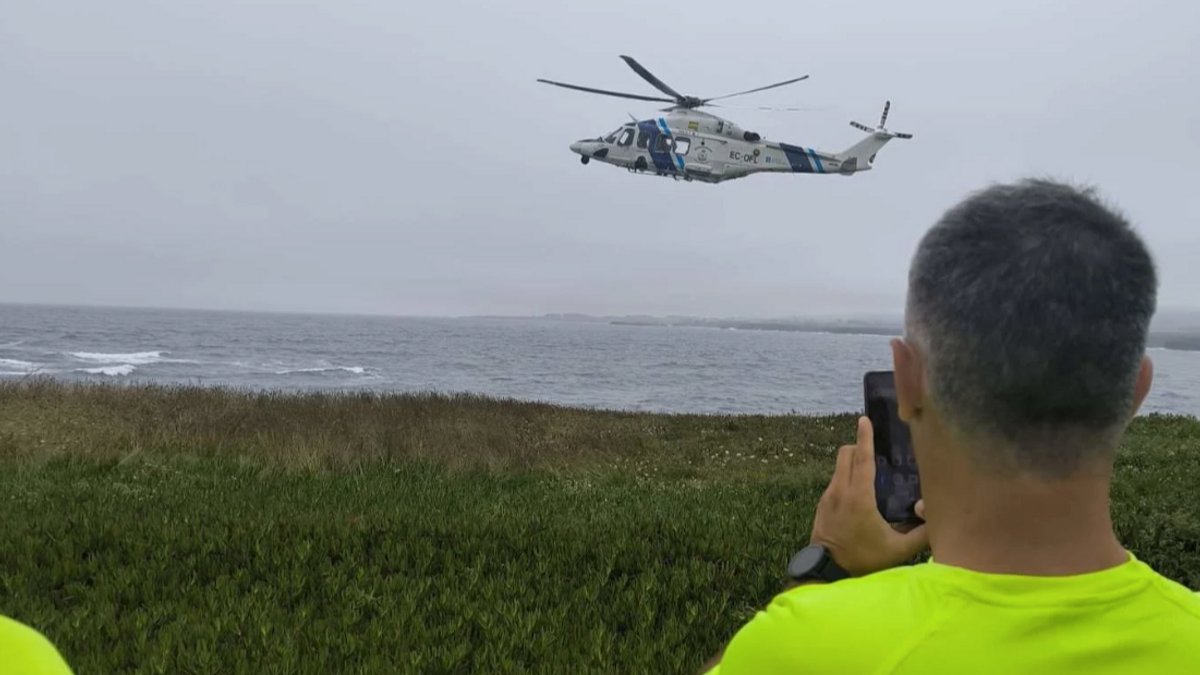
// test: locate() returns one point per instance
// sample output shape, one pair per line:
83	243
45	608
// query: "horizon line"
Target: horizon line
898	314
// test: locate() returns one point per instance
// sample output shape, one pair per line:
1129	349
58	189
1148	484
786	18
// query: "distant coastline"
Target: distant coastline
1180	340
816	327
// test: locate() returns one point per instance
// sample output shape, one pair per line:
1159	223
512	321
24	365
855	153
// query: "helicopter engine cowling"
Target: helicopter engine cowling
733	131
711	124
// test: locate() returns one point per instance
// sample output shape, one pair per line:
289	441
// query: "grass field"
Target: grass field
155	530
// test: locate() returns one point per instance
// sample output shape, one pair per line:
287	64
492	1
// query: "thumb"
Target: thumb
912	543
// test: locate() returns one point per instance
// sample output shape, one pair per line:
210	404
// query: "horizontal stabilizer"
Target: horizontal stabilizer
882	128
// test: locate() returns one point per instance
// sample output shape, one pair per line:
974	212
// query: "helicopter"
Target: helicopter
691	145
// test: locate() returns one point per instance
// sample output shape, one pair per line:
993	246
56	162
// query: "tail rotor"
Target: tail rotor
861	155
882	128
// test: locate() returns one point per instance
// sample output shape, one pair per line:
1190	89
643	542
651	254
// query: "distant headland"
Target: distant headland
1173	330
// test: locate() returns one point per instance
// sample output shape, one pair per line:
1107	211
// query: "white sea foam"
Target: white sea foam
135	358
22	366
111	371
357	370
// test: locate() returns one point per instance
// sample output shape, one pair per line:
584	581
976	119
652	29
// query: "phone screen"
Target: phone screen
897	483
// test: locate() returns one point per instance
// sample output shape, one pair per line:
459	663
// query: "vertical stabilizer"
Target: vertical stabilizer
861	155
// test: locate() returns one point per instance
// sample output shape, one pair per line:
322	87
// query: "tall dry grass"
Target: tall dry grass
48	418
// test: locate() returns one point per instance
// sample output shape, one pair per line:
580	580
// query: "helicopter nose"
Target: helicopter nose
590	147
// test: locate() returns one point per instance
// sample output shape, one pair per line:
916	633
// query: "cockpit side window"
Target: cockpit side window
626	138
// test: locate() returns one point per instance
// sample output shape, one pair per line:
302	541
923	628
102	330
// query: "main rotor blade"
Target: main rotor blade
649	77
608	93
751	91
762	107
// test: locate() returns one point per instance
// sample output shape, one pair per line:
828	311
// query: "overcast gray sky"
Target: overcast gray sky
374	156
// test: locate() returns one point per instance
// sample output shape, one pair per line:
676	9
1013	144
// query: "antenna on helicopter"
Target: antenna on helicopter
881	129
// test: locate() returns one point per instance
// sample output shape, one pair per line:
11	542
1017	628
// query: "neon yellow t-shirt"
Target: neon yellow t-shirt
24	651
933	619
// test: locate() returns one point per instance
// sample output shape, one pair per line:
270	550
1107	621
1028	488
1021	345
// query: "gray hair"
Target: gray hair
1031	303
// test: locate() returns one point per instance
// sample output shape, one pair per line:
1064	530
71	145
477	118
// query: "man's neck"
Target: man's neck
1026	527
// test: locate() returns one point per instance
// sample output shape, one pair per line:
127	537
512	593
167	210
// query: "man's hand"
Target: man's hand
848	522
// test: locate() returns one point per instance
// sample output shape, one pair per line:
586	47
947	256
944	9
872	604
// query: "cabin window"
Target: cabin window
643	140
626	138
682	145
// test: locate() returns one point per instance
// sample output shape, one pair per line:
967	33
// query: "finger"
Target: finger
863	473
919	507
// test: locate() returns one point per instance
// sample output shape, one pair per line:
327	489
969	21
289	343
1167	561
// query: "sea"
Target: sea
591	364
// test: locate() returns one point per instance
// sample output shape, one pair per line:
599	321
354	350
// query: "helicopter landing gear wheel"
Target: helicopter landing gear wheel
640	164
584	159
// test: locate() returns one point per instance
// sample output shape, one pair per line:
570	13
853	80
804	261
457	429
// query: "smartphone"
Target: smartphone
897	483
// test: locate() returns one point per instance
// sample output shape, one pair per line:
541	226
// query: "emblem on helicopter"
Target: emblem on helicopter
669	139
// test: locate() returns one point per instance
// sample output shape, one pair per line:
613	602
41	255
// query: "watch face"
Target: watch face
807	560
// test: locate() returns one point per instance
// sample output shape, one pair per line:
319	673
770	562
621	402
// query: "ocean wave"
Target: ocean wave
134	358
356	370
110	371
23	366
10	345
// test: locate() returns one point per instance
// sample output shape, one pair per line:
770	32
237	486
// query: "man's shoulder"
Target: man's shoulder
27	651
1187	600
857	625
847	626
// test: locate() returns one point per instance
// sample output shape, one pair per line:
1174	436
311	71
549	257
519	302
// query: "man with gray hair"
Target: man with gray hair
1023	361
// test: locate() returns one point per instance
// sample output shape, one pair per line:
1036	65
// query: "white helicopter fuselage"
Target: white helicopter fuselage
691	145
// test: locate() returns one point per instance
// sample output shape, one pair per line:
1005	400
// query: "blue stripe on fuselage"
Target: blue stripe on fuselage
662	161
797	157
817	160
667	132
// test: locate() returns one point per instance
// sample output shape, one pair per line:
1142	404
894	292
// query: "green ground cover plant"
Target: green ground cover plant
193	530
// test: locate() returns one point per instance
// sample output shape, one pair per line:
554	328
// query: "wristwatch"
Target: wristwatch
814	563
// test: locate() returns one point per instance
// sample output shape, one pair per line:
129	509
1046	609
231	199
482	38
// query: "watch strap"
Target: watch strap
814	562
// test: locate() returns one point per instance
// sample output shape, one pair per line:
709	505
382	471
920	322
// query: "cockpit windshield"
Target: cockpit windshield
625	130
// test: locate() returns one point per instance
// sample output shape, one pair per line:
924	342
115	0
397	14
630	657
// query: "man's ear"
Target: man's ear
1142	386
910	380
